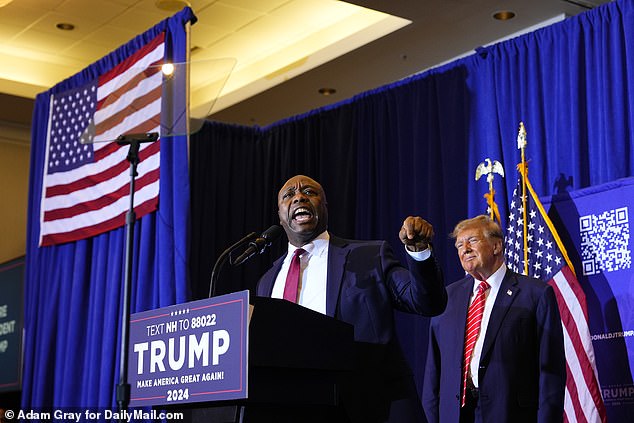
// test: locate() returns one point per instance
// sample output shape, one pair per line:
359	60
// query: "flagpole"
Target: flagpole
491	201
523	168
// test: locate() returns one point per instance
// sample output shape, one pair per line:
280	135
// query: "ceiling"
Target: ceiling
420	34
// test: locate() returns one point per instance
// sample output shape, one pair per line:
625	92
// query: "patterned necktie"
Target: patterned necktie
474	318
292	278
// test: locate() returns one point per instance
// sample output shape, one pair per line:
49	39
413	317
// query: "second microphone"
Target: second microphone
258	245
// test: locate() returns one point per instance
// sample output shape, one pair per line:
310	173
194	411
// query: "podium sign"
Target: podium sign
192	352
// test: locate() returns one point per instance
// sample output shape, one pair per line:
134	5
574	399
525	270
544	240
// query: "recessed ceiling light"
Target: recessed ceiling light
65	26
503	15
171	5
327	91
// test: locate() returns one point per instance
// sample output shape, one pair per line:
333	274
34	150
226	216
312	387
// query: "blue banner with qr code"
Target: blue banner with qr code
595	228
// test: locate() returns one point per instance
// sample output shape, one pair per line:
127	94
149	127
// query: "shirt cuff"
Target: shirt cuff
419	255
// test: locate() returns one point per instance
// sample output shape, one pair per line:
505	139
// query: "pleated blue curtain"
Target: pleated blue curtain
571	84
73	291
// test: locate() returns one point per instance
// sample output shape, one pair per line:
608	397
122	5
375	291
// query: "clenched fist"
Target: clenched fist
416	233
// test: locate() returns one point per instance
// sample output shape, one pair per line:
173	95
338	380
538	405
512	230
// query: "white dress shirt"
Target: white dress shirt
494	281
313	274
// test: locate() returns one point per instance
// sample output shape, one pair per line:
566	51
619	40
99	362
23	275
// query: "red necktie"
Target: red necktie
292	278
474	318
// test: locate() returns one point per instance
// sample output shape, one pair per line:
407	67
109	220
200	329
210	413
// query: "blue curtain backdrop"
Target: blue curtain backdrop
73	291
412	147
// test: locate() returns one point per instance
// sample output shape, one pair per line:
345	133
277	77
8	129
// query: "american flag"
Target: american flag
86	180
548	260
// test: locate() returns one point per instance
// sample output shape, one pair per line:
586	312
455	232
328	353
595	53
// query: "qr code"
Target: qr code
604	241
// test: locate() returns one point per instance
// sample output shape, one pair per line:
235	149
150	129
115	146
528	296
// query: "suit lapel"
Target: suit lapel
337	254
462	303
265	287
506	295
460	306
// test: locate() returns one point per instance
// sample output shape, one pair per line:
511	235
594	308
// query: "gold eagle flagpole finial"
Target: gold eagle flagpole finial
490	168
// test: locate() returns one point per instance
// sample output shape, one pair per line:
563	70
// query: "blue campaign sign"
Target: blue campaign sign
595	228
192	352
11	281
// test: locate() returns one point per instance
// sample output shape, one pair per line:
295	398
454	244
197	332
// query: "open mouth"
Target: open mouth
302	214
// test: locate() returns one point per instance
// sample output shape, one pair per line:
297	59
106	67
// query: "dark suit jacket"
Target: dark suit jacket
365	283
522	373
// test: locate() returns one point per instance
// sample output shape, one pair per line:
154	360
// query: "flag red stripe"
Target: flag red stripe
106	150
87	181
98	178
101	202
101	227
131	60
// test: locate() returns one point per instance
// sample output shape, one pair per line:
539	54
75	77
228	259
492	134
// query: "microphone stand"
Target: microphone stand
123	388
222	259
212	289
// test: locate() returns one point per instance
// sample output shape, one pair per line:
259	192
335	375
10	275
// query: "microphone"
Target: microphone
141	137
259	244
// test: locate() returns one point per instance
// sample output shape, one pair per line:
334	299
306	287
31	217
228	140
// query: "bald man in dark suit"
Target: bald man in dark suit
361	283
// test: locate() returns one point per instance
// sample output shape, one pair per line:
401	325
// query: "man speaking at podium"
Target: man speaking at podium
361	283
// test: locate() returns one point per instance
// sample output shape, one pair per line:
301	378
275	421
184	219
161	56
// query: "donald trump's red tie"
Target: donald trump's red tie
474	319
